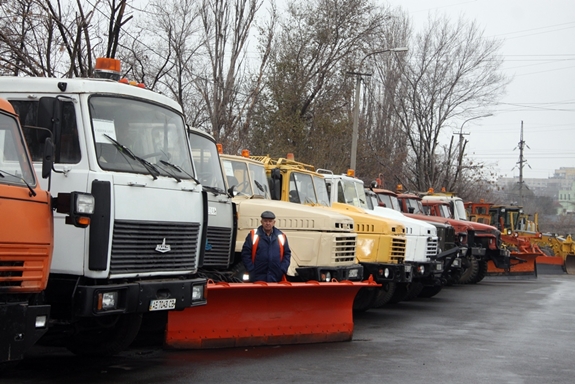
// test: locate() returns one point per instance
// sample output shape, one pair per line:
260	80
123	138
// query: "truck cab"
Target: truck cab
127	146
27	239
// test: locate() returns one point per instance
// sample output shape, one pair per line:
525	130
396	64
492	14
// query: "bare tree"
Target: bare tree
229	95
58	38
453	74
306	108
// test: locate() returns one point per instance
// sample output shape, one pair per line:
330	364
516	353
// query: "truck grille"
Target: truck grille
23	269
136	247
432	247
344	249
398	250
218	247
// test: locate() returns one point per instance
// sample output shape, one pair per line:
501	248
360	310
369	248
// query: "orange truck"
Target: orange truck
26	240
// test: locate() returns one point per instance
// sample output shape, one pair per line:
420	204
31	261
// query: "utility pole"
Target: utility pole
521	163
358	76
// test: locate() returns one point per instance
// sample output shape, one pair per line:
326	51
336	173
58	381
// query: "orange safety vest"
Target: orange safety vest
256	239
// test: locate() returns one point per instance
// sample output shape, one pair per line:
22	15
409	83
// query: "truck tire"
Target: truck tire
384	294
470	270
481	272
413	291
96	338
430	291
364	299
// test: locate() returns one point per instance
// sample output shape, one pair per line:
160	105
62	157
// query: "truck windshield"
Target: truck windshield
301	189
259	180
207	162
139	137
444	211
460	212
390	201
246	178
15	166
321	190
354	193
416	205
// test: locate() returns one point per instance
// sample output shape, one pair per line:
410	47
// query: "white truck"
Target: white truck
128	147
422	241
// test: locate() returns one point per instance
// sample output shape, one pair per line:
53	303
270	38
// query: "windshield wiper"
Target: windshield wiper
122	148
180	170
214	190
32	192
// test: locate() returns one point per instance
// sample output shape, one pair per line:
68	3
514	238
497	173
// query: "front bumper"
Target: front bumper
388	273
327	274
21	327
137	296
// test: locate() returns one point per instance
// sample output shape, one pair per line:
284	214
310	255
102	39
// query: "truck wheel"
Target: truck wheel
430	291
104	337
413	291
470	270
364	299
384	294
481	272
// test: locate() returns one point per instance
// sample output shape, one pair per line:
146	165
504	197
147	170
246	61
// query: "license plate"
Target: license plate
162	304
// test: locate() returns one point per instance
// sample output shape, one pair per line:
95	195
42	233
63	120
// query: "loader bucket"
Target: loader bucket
570	264
552	265
523	266
244	314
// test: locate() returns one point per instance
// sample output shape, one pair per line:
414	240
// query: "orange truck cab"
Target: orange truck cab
26	242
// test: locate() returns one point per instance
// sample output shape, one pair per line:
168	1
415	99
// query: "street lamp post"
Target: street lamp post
358	76
461	131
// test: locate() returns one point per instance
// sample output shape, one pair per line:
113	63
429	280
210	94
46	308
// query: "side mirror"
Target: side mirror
47	158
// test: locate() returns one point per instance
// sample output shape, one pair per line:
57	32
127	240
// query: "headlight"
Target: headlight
197	292
353	273
386	273
246	277
421	269
328	276
41	321
84	204
439	266
107	300
456	263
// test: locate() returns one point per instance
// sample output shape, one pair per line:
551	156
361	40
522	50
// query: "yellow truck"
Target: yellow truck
381	242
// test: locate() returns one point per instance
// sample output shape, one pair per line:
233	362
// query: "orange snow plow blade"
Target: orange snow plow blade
239	314
551	265
523	265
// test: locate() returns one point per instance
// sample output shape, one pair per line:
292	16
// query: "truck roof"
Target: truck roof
38	86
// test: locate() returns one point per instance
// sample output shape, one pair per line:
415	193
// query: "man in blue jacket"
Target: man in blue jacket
266	253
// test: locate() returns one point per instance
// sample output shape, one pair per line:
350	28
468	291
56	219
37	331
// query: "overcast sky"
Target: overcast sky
539	52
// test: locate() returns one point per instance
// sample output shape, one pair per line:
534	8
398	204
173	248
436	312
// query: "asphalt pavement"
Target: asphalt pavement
497	331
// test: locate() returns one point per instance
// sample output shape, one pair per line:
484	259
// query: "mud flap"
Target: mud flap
241	314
